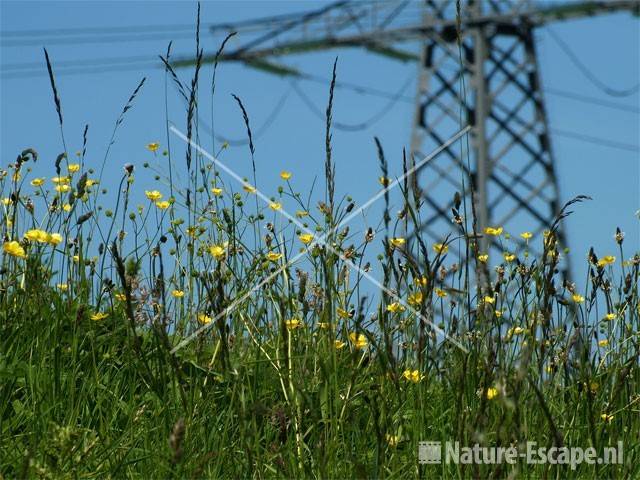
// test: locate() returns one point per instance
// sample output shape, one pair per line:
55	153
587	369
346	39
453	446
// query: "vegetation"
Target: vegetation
208	333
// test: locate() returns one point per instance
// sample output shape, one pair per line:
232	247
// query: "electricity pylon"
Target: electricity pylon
477	66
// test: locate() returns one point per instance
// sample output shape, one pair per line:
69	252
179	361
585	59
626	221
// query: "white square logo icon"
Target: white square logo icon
429	453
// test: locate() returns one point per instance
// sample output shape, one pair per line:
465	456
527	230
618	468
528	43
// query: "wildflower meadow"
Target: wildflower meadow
196	326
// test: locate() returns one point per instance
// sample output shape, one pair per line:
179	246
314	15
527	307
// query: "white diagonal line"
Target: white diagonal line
320	240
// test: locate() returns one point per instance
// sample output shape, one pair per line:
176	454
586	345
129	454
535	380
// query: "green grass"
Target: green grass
90	386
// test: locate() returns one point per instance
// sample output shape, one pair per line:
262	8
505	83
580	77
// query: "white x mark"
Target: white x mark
321	240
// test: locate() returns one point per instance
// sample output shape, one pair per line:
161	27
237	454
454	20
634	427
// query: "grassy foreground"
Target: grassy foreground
304	376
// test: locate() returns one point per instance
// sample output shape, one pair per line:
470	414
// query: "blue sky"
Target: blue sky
608	45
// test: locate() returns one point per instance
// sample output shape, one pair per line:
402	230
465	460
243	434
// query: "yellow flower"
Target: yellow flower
217	251
577	298
440	248
63	287
395	307
338	344
420	281
491	393
603	343
37	236
292	324
412	375
607	418
274	256
397	242
441	293
483	258
359	340
498	313
275	206
306	238
13	248
62	188
99	316
55	239
121	296
392	440
302	213
91	182
610	316
6	201
342	313
497	231
178	293
76	258
323	325
36	182
153	195
526	235
163	205
153	146
285	175
415	299
607	260
216	191
488	299
73	167
509	257
248	188
60	180
204	319
384	181
66	207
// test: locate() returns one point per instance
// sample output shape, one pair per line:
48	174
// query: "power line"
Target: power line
588	73
604	142
591	100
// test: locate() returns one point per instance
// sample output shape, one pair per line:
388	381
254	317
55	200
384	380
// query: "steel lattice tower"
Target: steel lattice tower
488	78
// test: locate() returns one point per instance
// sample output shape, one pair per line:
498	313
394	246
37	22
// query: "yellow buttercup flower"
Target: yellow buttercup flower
37	236
488	299
284	175
440	248
62	188
66	207
509	257
415	299
13	248
99	316
306	238
392	440
178	293
603	343
441	293
91	182
217	251
6	201
338	344
483	257
249	189
273	256
491	393
302	213
73	167
216	191
342	313
153	146
37	182
153	195
292	324
275	206
607	260
121	297
412	375
610	316
63	287
577	298
359	341
495	231
397	242
204	319
526	235
420	281
163	205
384	181
606	417
395	307
61	180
